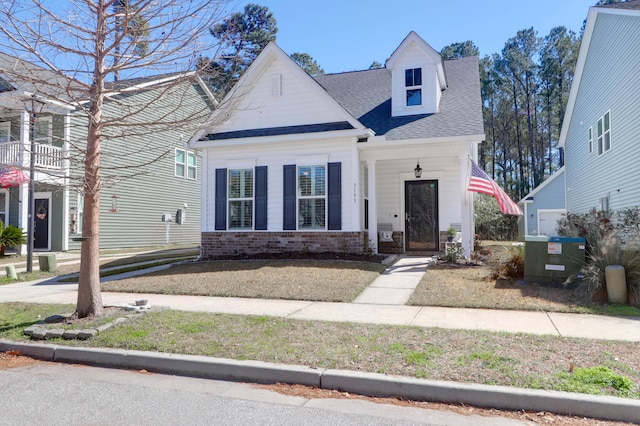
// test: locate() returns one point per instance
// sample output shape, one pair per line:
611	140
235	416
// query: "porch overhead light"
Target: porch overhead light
418	170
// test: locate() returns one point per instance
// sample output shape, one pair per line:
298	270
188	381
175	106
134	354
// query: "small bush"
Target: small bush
508	263
490	223
452	253
605	252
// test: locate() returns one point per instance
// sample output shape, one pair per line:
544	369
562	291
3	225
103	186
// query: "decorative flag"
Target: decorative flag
12	176
481	182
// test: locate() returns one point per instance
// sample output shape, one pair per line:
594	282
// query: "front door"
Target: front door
421	215
41	222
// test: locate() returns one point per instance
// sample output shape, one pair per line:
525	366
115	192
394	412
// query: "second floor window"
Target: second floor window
604	133
186	163
44	130
5	132
413	83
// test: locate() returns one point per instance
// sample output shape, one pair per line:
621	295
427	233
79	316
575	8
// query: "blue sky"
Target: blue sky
347	35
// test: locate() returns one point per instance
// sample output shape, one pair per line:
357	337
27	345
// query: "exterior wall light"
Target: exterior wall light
418	170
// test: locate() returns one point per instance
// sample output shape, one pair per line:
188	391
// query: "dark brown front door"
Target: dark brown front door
421	215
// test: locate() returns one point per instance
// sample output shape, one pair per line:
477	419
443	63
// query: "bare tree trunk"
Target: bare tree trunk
89	296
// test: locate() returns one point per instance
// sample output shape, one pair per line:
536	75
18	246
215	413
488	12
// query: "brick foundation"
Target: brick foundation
223	244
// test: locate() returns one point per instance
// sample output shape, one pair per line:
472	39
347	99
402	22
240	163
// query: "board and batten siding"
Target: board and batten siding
274	156
391	176
152	189
609	83
297	102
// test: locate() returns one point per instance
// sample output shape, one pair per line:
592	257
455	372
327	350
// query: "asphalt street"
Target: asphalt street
64	394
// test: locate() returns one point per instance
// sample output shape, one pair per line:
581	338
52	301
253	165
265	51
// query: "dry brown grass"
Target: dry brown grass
329	281
472	287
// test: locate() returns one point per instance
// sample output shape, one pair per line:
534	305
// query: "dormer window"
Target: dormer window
413	83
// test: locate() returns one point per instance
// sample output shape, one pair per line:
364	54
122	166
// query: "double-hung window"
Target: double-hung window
240	198
186	163
44	130
590	135
413	83
604	133
312	191
5	132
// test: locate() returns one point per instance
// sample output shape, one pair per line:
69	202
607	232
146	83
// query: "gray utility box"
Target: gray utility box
552	260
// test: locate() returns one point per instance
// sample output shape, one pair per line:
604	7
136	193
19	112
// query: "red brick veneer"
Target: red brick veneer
219	244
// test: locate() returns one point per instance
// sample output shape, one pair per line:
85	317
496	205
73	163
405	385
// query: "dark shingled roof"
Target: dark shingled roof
36	79
628	5
367	96
278	131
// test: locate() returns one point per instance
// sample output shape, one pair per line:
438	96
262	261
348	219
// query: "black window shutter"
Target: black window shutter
334	192
261	198
221	199
289	196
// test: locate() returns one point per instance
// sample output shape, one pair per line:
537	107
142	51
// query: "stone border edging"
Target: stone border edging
371	384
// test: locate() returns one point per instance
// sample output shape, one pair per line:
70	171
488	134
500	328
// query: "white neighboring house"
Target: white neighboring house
543	207
601	130
293	162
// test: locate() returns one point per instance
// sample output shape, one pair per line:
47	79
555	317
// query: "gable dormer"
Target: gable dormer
417	78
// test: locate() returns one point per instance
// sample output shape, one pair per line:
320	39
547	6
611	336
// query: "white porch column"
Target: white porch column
466	208
23	190
373	205
65	190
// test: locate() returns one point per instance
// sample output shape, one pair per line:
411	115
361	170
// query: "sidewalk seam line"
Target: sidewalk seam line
553	323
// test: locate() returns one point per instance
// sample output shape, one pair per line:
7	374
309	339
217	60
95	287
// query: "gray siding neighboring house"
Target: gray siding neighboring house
147	170
148	174
601	128
543	206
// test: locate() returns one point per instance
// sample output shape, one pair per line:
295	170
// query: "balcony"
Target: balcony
46	156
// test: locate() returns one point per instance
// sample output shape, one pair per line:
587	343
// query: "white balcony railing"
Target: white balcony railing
46	156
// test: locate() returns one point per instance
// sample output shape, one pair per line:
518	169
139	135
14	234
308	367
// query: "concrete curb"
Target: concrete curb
372	384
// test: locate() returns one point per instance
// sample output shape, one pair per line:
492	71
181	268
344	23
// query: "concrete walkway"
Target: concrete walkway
396	285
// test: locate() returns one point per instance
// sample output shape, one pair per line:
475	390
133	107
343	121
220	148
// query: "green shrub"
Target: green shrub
452	253
10	236
594	227
490	223
507	263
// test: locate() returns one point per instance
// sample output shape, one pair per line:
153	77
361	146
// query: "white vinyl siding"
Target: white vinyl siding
274	157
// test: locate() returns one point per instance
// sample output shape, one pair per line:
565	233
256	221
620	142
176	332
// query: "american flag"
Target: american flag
481	182
12	176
